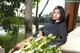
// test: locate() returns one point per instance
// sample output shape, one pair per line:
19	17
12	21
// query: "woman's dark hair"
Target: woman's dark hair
62	12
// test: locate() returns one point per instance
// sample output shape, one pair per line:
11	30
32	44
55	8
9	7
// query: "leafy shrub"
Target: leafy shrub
39	45
7	42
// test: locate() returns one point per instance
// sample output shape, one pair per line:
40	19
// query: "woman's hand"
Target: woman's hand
40	34
10	51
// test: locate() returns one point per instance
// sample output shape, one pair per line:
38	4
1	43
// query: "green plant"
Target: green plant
7	42
40	45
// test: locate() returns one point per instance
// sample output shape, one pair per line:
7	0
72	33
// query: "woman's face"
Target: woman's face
56	14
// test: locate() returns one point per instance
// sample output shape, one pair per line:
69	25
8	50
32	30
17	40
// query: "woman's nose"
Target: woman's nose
55	15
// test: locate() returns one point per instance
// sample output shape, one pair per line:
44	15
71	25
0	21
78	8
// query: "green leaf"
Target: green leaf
40	45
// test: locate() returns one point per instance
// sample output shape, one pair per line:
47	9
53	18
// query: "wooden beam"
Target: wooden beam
71	10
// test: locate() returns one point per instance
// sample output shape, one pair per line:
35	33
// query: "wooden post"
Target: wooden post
71	10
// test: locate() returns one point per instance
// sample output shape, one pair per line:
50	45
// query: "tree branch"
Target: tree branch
43	8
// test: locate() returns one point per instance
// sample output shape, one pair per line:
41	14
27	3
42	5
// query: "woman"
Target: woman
56	27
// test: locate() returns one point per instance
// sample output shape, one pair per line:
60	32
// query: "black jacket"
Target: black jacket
57	29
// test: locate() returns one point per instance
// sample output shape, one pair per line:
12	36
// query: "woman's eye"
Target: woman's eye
53	12
58	13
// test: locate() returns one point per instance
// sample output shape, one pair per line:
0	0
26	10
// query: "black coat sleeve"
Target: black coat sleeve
41	29
64	34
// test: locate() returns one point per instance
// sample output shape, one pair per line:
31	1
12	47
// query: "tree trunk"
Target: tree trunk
28	18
